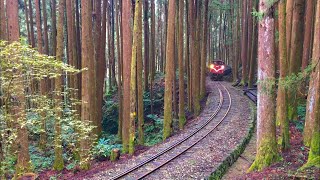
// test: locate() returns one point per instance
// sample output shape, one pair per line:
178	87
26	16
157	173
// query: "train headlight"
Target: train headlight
211	66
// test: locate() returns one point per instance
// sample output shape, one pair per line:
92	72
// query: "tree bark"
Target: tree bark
307	33
87	80
312	101
295	54
244	43
204	52
3	21
39	29
167	124
45	27
312	126
139	73
58	96
23	164
127	55
266	129
182	116
282	111
120	89
146	44
54	26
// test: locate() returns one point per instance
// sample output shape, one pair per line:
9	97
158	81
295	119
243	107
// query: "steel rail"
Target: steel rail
193	144
144	162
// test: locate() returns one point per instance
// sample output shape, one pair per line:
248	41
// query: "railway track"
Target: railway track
252	94
143	169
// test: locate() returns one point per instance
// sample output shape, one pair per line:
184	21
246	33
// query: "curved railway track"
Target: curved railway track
178	148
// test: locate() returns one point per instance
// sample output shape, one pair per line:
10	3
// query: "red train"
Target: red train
218	69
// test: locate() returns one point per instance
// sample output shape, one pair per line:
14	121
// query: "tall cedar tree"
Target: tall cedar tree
43	83
119	50
266	127
152	52
3	21
33	42
182	116
146	44
313	103
136	56
45	28
39	28
282	111
312	115
289	14
295	54
27	20
98	97
167	125
308	20
139	60
87	80
204	51
58	158
54	27
244	44
195	57
127	54
23	162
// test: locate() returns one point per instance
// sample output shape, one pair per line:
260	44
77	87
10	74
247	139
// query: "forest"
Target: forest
84	82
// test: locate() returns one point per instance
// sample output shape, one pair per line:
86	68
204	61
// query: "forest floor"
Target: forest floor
286	168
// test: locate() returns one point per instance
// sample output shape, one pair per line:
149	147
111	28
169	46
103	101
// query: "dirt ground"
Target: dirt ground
286	168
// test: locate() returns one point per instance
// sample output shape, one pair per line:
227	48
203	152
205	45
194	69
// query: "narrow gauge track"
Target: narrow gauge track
179	143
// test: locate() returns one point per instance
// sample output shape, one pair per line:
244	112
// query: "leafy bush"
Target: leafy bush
153	130
104	147
302	116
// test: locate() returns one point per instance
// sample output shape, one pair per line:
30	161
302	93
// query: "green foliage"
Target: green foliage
153	130
295	80
41	160
257	14
302	115
104	147
22	67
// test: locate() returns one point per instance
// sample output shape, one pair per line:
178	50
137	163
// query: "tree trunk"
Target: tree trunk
3	21
195	59
204	52
307	33
312	126
282	111
295	54
39	29
120	89
182	116
244	43
136	54
99	65
87	80
146	44
289	15
27	20
33	42
266	129
45	27
139	73
312	112
167	122
127	55
54	27
152	52
23	164
58	160
253	50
